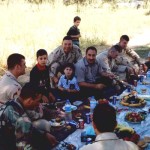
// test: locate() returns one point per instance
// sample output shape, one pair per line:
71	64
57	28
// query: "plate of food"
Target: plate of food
57	122
126	133
133	101
72	107
134	117
67	146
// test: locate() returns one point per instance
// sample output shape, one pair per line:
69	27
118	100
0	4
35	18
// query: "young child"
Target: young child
74	32
39	76
68	86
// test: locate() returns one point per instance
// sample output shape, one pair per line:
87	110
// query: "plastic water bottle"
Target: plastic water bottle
148	75
68	113
92	104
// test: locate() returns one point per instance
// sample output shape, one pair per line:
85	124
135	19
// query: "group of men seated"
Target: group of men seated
94	72
63	74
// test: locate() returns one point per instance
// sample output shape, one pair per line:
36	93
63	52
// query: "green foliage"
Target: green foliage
86	42
41	1
78	2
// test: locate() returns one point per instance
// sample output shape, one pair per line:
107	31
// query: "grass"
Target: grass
143	50
25	28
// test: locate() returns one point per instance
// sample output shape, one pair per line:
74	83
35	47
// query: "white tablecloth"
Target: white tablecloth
143	129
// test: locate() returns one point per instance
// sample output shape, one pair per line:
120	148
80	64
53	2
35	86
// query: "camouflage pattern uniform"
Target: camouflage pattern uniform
129	58
17	120
10	87
57	58
109	65
105	62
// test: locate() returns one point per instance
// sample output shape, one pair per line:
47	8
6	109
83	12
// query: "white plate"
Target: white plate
72	107
56	124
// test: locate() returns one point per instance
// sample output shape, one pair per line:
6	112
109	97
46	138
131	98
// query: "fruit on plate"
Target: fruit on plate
126	133
134	117
121	128
132	101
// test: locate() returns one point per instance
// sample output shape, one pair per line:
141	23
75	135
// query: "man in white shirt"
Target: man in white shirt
9	86
104	123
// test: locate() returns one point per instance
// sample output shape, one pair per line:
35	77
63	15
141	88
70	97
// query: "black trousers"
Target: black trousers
98	94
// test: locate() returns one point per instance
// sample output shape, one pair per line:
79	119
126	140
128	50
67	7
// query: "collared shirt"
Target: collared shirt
10	87
58	57
109	141
68	84
86	72
106	63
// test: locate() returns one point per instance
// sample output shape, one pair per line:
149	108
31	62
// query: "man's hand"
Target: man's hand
55	80
45	99
51	139
99	86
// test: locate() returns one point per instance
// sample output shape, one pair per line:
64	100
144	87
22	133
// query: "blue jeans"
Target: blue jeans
76	43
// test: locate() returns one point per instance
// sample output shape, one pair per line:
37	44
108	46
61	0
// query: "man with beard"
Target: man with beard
90	76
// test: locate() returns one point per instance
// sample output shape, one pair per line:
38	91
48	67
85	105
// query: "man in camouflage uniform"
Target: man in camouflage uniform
127	57
66	53
18	131
106	59
10	88
92	79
